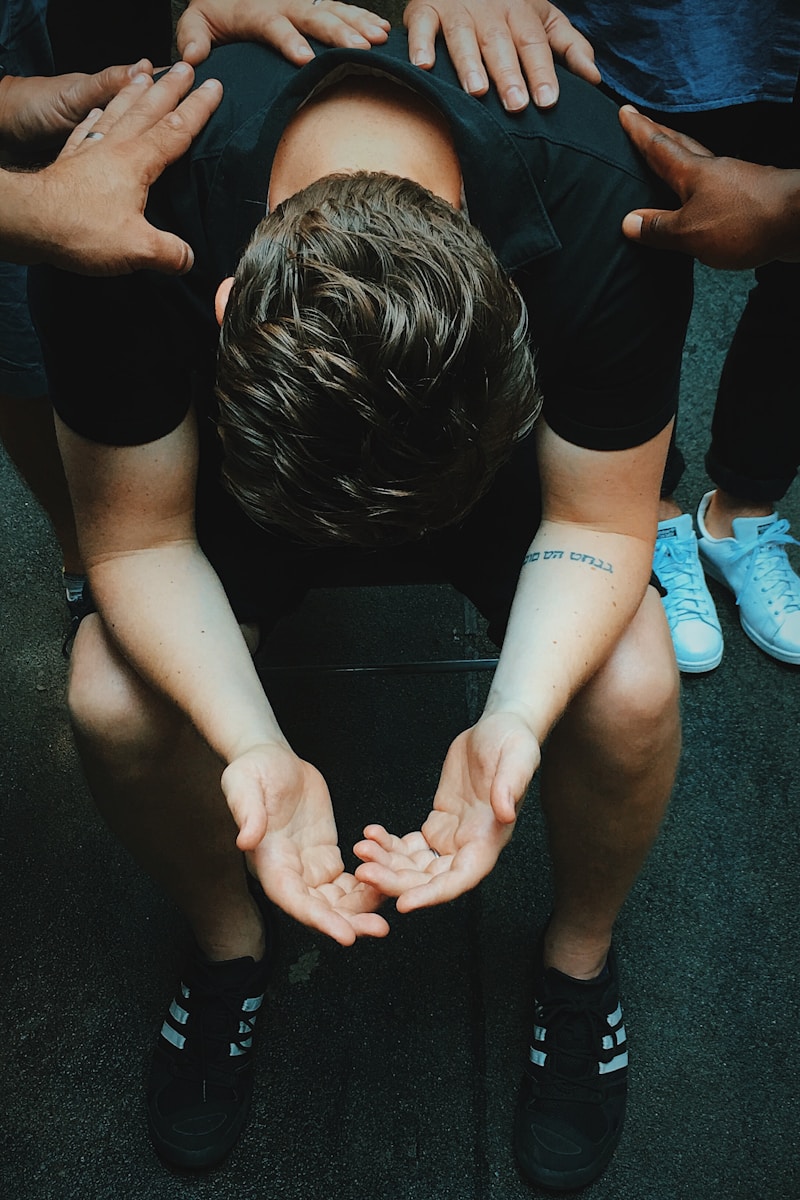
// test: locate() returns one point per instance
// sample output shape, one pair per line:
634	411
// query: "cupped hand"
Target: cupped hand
508	42
484	779
282	807
278	23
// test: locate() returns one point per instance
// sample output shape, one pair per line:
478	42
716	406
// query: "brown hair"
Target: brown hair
374	369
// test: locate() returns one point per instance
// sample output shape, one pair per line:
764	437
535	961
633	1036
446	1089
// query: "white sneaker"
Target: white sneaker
692	618
755	566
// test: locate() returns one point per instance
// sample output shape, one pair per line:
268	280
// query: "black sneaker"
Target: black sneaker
201	1078
572	1103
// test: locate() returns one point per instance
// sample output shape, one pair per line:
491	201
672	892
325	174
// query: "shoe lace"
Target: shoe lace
770	569
678	568
575	1031
216	1023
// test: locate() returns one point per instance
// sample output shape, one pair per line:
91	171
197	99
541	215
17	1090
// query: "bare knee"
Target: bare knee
631	707
113	712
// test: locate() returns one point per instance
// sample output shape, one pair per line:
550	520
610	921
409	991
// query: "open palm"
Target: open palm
287	829
484	778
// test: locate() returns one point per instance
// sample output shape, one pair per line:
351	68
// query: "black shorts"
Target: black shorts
266	576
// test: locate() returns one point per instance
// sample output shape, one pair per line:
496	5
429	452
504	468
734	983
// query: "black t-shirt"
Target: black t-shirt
126	357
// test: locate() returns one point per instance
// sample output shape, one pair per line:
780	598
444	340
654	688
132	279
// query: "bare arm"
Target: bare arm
733	214
583	578
164	606
85	212
581	584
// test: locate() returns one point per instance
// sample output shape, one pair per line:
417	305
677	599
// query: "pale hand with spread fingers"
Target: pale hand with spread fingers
284	24
510	43
734	215
287	829
484	779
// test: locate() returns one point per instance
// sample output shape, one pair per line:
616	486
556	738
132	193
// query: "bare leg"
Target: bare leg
157	785
28	434
723	508
607	775
668	508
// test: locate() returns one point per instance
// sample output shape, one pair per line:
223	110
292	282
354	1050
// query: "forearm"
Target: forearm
578	590
168	612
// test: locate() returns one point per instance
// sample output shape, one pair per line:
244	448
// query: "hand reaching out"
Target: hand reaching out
278	23
511	42
733	214
287	829
85	212
39	113
484	779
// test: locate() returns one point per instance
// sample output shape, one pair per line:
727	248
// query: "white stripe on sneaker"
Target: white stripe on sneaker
172	1035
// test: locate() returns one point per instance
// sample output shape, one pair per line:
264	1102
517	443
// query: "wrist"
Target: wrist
23	237
265	742
538	718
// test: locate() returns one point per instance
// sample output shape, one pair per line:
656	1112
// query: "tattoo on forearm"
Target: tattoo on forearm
588	560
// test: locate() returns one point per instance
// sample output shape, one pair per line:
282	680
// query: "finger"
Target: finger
327	26
571	47
193	37
98	90
392	881
294	897
638	126
410	844
174	133
135	111
536	59
339	21
465	53
669	153
359	898
78	135
369	851
290	892
422	25
132	93
369	925
440	889
502	62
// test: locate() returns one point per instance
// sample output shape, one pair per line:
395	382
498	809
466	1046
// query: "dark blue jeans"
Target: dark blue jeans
755	434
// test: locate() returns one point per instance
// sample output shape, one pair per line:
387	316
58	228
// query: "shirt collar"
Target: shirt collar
502	196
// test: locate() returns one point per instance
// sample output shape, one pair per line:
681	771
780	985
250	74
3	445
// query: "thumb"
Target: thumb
167	253
247	808
652	226
193	37
518	761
